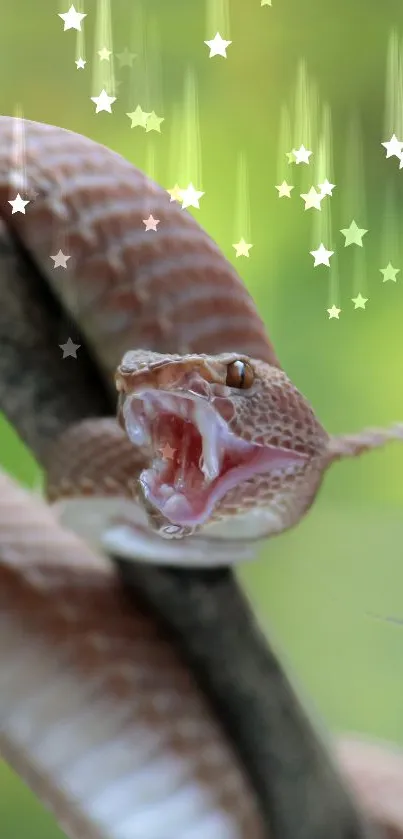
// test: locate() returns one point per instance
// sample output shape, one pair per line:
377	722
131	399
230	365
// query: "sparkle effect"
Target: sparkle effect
18	204
153	122
151	223
168	452
312	199
353	234
301	155
69	348
72	19
241	248
333	312
393	147
218	46
126	58
359	301
103	102
389	273
175	193
191	197
60	259
321	256
326	188
138	118
104	54
284	190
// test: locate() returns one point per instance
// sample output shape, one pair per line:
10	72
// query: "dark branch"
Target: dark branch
300	793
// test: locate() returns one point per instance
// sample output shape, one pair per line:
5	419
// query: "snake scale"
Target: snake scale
94	676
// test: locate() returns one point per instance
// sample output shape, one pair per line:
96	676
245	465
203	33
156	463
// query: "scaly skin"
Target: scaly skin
172	293
286	760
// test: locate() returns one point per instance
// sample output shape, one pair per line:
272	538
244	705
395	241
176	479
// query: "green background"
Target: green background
319	588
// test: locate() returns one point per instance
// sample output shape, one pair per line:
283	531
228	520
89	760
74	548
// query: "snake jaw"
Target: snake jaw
201	458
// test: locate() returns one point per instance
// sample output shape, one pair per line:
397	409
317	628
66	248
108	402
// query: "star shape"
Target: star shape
138	118
218	46
389	273
126	58
321	256
18	204
333	312
168	452
359	301
151	222
103	102
72	19
284	190
60	259
190	197
80	63
301	155
153	122
393	147
326	188
353	234
312	199
290	156
104	54
241	248
69	348
33	194
175	193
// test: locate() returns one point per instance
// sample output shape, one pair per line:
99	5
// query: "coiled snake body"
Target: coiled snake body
213	451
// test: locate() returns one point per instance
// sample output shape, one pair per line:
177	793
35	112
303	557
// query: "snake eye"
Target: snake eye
240	375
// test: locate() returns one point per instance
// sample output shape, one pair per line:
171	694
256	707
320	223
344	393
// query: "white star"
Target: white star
190	197
393	147
333	312
301	155
175	193
218	46
242	248
60	259
326	188
69	348
321	256
104	54
72	19
151	223
18	204
312	199
284	190
80	63
103	102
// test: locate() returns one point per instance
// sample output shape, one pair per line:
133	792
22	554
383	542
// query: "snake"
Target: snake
209	454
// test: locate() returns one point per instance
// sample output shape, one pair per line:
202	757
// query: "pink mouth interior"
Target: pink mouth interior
184	482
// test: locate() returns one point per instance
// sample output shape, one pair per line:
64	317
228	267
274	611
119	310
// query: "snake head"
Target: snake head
232	447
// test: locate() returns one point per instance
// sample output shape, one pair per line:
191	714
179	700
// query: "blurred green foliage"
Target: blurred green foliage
318	587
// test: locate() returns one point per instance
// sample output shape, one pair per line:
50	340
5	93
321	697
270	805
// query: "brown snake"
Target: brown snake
248	458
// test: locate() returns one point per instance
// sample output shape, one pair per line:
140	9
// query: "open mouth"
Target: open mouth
196	460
